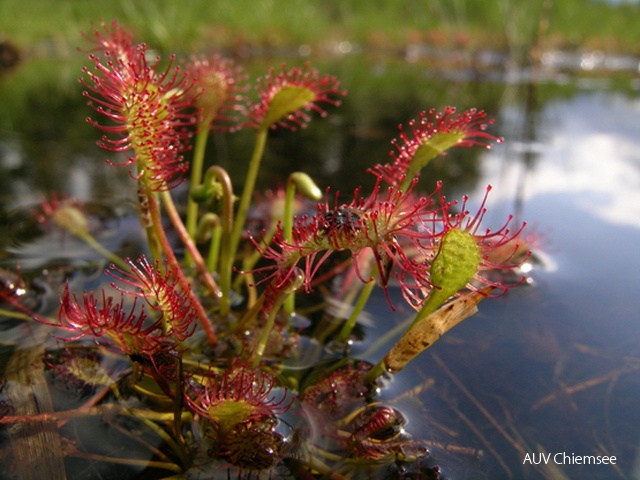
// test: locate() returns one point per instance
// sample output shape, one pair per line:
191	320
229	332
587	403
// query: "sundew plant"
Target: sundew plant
201	358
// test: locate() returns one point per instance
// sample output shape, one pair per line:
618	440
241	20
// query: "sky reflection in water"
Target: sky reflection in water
590	153
575	335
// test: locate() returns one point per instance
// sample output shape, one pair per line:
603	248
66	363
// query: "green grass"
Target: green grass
47	26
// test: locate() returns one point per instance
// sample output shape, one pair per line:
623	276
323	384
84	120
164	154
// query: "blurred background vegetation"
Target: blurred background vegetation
396	57
46	27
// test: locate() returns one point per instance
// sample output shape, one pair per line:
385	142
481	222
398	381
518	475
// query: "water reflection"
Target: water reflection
588	151
561	359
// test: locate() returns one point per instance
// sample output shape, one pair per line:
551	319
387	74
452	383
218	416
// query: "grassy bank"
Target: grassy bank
47	26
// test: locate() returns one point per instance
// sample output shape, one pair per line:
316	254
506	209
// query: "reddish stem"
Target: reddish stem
154	212
191	247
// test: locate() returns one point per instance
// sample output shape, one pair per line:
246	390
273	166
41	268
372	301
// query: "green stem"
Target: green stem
226	252
214	248
18	315
249	185
196	177
294	282
287	221
376	371
365	293
93	243
424	334
99	410
436	298
266	331
141	464
396	331
249	315
250	260
287	227
168	439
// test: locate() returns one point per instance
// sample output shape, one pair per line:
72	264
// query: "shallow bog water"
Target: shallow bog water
551	368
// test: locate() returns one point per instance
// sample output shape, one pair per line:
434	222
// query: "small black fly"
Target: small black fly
342	219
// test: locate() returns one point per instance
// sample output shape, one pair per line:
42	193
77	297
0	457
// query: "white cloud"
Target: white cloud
590	151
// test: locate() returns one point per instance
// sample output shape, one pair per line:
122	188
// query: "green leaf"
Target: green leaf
286	101
455	265
428	150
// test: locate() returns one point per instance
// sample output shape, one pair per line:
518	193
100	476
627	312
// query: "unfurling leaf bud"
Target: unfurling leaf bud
72	220
306	186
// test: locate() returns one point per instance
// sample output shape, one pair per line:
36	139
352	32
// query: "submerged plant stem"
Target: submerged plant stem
107	409
17	315
128	461
93	243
